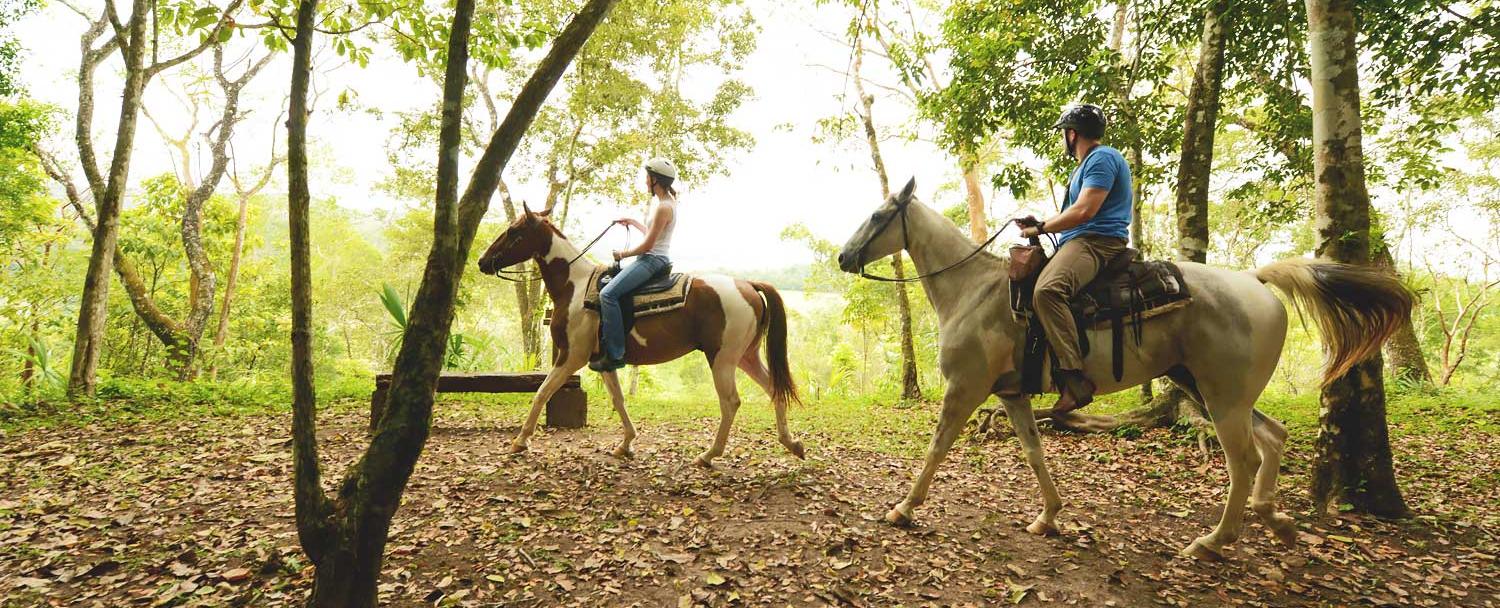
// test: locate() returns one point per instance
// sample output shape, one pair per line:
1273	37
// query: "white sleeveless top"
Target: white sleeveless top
664	240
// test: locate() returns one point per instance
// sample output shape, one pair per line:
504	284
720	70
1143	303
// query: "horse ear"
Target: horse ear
526	209
906	191
545	212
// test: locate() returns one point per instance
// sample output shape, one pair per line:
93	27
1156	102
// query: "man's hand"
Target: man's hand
618	254
1030	226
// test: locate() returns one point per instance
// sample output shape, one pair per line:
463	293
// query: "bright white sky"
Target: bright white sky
729	222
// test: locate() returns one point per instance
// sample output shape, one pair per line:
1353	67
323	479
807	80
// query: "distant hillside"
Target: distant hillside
785	278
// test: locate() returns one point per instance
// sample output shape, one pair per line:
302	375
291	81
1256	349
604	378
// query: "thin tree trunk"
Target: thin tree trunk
345	537
1353	461
93	307
910	388
974	192
230	282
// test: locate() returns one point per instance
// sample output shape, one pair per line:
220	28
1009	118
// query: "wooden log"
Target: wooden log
570	403
568	409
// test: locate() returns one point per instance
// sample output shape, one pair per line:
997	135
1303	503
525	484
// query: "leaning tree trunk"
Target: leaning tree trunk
910	388
93	305
1353	461
345	537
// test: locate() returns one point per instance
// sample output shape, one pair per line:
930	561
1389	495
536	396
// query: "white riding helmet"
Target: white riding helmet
663	167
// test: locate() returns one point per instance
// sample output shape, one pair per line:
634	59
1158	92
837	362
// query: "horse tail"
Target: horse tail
1356	307
783	388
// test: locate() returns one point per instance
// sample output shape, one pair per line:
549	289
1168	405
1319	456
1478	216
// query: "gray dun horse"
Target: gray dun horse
726	318
1222	348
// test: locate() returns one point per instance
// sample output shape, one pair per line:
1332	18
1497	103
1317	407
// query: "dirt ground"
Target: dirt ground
197	512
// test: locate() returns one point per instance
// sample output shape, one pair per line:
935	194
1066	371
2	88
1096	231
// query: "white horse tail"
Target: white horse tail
783	388
1356	307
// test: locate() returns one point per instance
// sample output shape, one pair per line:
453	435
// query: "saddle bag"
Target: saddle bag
1026	261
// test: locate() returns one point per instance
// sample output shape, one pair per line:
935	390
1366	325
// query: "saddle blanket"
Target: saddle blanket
659	295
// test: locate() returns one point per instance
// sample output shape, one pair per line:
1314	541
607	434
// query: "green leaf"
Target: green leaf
393	305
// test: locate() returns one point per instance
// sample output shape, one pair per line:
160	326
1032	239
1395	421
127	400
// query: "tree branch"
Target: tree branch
209	39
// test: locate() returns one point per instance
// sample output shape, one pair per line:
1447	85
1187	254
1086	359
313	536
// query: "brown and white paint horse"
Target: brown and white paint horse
726	318
1222	348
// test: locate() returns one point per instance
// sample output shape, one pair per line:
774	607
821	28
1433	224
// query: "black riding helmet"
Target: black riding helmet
1086	120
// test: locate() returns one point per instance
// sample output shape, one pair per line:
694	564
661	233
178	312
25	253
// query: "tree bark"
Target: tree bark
1403	353
910	387
978	229
93	305
1353	461
345	537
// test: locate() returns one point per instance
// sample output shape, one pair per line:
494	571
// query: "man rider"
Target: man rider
1091	229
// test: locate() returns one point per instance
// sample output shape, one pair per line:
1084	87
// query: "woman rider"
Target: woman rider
650	260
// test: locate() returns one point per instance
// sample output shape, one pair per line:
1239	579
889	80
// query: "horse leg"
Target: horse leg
958	404
756	369
1233	427
554	381
1270	441
1018	409
729	405
617	397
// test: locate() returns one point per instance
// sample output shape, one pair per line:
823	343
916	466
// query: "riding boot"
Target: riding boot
1075	391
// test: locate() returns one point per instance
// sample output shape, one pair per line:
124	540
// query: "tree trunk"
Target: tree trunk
230	282
1403	353
910	388
1353	461
979	231
93	307
345	538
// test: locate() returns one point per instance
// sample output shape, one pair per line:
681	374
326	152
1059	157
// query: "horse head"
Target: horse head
882	235
526	238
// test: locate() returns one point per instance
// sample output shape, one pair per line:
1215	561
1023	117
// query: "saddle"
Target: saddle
665	292
1126	292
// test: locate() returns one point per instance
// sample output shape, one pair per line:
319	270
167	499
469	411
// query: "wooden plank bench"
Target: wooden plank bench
567	409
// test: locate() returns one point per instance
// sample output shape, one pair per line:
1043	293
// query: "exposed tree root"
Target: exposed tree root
1172	407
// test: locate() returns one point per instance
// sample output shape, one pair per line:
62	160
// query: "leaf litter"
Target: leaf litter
199	514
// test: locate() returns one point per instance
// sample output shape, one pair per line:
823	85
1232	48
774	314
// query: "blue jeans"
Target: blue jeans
631	278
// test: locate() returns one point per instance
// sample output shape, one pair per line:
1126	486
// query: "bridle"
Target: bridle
906	245
523	276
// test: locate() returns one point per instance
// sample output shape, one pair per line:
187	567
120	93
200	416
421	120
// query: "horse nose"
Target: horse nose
842	262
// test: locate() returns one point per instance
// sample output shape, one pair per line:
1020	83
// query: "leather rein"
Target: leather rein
523	276
906	244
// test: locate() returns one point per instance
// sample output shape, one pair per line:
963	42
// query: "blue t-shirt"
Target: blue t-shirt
1104	168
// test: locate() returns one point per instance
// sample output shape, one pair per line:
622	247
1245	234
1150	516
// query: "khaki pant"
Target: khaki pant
1076	263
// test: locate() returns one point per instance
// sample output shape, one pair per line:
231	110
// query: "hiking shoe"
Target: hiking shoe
605	364
1075	391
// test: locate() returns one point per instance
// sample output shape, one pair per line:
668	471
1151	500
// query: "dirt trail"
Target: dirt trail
198	513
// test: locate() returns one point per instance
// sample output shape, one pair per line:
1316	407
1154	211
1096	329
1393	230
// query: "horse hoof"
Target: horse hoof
517	448
623	453
897	518
1202	552
703	462
1284	529
1043	528
797	450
